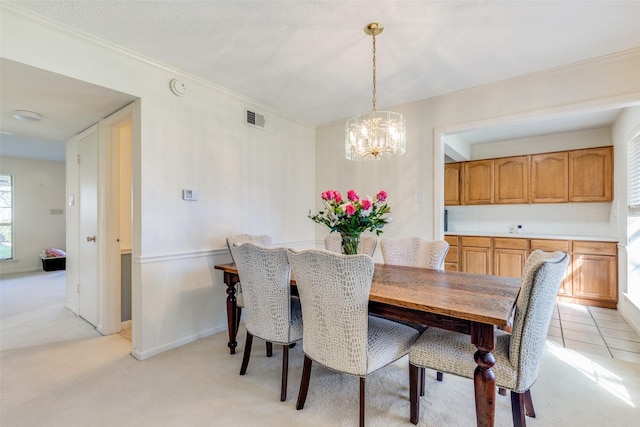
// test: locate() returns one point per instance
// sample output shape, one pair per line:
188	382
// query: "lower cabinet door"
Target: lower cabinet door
476	260
509	262
595	277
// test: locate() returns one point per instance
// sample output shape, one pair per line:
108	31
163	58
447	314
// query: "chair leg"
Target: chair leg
422	380
528	404
439	376
238	314
502	391
247	353
414	403
362	389
269	349
517	409
285	372
304	382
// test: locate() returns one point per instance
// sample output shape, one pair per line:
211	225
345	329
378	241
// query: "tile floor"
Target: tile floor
595	330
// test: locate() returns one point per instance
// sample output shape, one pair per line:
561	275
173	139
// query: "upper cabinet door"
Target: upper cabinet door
452	181
550	177
511	179
478	182
590	175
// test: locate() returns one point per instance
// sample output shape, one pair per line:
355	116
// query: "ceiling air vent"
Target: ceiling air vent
255	119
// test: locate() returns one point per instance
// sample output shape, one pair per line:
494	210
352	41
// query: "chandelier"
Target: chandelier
378	134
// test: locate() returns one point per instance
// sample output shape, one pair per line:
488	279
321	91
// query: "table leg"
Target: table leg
230	280
484	381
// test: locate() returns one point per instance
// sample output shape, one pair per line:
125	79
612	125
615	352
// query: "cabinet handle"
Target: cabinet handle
91	239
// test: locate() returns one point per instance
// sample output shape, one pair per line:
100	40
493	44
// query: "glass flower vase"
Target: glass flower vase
350	243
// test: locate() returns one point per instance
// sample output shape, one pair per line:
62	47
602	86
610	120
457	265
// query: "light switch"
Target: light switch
190	195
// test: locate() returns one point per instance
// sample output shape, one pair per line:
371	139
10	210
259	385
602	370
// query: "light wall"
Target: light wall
629	246
598	137
250	180
39	207
265	181
414	181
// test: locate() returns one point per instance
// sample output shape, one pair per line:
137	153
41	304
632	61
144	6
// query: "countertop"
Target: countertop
533	236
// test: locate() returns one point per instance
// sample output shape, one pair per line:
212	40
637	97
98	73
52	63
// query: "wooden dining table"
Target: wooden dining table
471	304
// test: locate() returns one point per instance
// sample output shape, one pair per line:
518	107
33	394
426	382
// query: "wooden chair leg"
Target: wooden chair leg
285	372
238	314
304	382
502	391
362	388
517	409
414	403
269	349
439	376
422	380
528	404
247	353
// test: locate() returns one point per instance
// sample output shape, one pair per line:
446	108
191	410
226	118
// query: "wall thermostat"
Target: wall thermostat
190	195
178	87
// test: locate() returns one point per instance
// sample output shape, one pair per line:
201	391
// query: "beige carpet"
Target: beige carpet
56	370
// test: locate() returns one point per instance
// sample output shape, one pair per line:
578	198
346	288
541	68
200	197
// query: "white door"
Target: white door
88	303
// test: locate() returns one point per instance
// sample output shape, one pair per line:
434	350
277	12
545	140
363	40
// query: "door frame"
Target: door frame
109	220
108	227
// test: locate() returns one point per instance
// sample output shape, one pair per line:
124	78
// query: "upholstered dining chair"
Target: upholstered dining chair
517	354
264	240
271	313
333	243
338	331
414	252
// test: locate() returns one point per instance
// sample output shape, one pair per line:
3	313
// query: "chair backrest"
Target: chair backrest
265	275
541	278
264	240
334	293
414	252
367	245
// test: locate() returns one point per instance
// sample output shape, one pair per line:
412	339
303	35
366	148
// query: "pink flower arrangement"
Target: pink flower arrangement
355	215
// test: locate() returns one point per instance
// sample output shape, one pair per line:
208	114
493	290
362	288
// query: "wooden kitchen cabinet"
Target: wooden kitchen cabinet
477	178
452	183
509	256
511	180
590	175
550	177
452	259
595	272
565	176
591	277
476	255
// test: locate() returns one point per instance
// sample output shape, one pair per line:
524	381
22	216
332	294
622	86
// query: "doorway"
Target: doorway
101	280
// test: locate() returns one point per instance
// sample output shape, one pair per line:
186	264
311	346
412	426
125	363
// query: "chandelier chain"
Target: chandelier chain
378	134
374	75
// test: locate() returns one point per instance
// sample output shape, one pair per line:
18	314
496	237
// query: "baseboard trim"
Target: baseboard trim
177	343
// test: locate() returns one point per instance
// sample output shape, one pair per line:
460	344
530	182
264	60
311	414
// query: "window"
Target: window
633	172
632	246
6	217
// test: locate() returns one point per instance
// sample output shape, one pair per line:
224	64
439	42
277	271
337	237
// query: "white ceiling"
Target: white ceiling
312	60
